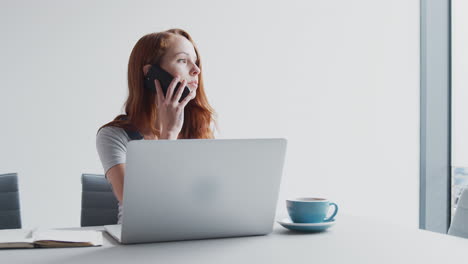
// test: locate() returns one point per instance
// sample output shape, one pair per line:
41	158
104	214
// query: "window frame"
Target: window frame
435	115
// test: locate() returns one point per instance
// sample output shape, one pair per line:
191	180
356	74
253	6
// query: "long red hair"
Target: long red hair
140	107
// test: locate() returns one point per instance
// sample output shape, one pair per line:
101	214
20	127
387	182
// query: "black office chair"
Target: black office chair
10	216
459	224
98	203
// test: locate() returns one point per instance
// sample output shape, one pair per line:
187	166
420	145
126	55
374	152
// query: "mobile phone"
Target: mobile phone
165	78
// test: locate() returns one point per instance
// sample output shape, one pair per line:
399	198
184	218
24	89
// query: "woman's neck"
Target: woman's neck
148	134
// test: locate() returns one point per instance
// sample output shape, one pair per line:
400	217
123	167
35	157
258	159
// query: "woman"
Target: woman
153	116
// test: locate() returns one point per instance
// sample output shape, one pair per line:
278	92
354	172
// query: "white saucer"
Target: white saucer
307	227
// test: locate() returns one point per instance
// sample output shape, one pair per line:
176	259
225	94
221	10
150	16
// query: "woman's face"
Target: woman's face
180	59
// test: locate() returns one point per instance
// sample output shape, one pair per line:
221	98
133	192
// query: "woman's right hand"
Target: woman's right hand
170	110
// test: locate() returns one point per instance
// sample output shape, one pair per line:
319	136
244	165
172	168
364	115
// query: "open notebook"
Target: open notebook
23	238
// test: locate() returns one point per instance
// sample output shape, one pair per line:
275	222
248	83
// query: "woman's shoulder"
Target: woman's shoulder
112	132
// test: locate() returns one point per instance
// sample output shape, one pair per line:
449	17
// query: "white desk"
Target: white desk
351	240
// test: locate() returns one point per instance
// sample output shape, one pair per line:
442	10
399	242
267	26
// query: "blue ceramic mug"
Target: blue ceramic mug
310	210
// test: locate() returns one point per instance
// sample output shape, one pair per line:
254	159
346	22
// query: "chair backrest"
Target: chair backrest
10	216
459	225
98	203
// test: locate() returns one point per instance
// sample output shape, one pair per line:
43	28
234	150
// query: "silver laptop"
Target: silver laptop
199	188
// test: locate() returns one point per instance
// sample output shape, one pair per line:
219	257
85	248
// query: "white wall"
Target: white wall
339	79
459	83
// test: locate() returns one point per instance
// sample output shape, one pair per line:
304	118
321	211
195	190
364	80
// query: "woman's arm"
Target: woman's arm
115	176
111	145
